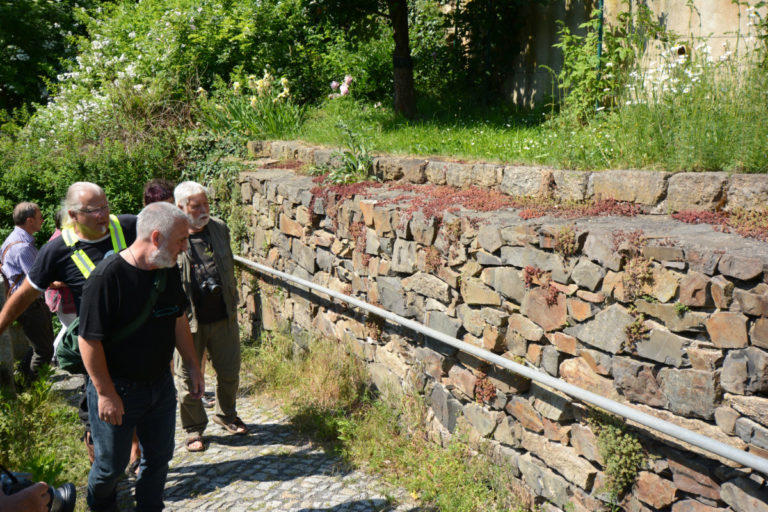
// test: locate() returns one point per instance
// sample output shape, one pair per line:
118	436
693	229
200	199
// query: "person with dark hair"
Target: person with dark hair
132	317
18	255
158	189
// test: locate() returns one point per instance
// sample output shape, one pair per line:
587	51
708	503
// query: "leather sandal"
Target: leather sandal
236	426
192	439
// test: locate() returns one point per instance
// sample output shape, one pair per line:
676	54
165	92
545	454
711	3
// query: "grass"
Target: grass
326	391
40	434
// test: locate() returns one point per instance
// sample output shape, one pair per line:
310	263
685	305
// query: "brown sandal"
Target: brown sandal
236	426
195	438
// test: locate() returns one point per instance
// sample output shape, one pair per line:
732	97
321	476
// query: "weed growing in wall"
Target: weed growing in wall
620	449
565	242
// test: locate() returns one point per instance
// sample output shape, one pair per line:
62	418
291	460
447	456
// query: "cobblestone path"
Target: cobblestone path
270	469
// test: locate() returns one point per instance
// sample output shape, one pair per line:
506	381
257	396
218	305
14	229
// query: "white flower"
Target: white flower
132	35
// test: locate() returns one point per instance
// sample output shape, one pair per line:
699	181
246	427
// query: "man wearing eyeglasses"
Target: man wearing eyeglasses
89	235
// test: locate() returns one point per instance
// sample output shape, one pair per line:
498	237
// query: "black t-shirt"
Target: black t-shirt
54	261
113	297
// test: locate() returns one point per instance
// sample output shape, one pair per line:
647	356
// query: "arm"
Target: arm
33	498
17	303
110	404
186	348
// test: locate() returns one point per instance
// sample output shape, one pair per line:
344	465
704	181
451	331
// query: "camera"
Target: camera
62	499
211	287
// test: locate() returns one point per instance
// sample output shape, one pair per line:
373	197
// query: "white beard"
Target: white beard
199	222
162	258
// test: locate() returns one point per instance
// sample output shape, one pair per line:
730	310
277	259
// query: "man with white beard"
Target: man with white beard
208	275
132	317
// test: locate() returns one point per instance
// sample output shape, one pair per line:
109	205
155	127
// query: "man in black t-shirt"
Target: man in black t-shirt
127	349
94	232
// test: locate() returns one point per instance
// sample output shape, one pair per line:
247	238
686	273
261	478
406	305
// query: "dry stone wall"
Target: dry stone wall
671	318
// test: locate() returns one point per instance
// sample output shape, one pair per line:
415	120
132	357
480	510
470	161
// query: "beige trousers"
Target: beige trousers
222	342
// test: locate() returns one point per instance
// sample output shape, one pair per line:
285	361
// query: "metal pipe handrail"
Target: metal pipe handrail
681	433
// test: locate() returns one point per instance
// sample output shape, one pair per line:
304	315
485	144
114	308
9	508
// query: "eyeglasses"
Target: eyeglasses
94	211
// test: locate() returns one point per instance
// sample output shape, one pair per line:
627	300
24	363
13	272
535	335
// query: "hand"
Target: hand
57	284
197	388
34	498
111	409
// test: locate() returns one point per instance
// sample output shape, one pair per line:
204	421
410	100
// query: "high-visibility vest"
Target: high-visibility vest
83	262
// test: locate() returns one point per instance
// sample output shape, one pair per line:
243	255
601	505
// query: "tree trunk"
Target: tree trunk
405	100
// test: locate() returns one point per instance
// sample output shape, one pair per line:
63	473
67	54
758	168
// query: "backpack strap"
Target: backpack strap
10	282
158	287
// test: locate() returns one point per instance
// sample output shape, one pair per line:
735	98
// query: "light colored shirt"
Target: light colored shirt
20	257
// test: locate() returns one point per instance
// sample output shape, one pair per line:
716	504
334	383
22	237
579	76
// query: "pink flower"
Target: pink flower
344	89
334	85
348	79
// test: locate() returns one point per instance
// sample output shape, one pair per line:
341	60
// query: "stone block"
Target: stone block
599	362
472	319
488	260
750	303
595	298
637	382
505	280
508	382
443	323
486	175
475	292
550	360
524	327
585	443
550	317
551	404
519	181
755	407
483	420
693	477
722	292
690	505
463	379
578	372
427	285
489	238
543	481
747	191
669	315
745	371
290	227
639	187
570	185
304	255
654	490
404	256
606	331
744	495
391	296
563	459
662	346
690	392
587	274
458	175
694	290
599	247
446	408
727	329
579	310
696	190
507	432
740	267
725	418
564	343
423	228
663	253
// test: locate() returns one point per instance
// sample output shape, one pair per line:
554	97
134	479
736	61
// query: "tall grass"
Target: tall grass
40	434
324	387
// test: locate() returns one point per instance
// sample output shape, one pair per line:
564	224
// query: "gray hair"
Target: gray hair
185	189
72	200
24	211
160	216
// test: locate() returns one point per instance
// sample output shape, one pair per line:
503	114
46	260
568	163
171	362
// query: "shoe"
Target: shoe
208	403
236	426
192	439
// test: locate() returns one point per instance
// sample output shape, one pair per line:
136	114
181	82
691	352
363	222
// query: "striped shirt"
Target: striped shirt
20	257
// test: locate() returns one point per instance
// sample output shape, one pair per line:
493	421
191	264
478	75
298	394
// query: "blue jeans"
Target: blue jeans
150	407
